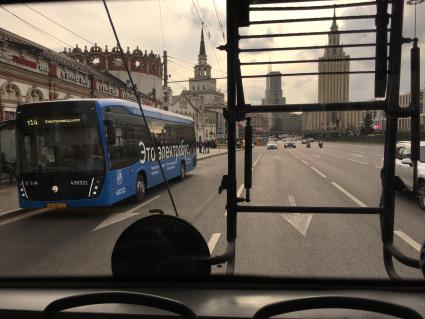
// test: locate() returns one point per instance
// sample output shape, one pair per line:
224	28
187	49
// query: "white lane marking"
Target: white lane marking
337	156
316	156
143	204
330	154
381	155
24	215
294	155
306	163
256	161
239	192
317	171
352	197
357	155
364	163
213	241
408	240
299	221
377	166
118	217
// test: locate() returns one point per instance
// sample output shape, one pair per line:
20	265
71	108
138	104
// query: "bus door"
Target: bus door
122	155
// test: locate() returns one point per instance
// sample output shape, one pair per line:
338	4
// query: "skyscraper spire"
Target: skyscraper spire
334	26
202	47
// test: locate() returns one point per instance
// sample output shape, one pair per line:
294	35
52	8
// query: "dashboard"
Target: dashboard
220	299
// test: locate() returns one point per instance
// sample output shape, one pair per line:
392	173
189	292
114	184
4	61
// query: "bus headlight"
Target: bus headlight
22	190
96	187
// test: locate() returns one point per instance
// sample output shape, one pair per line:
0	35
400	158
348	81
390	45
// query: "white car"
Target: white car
272	146
404	170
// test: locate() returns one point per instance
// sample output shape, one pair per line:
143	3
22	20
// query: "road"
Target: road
80	241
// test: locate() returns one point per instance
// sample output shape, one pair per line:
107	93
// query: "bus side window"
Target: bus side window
130	130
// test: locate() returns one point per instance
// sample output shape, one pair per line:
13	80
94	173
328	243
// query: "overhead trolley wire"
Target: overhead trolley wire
151	138
191	63
58	24
162	25
213	46
62	43
219	21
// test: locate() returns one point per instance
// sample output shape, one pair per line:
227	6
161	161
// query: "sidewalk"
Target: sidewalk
213	152
8	199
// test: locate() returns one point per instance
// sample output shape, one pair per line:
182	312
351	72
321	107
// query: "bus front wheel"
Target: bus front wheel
140	188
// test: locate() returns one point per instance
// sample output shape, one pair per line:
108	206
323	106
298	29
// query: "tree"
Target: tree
367	124
274	131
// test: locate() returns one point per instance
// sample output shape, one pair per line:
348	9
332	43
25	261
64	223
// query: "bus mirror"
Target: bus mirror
110	131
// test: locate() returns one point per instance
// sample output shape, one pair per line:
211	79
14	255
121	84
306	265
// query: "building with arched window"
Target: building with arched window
30	72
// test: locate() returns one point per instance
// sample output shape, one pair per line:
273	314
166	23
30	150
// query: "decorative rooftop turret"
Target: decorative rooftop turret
139	61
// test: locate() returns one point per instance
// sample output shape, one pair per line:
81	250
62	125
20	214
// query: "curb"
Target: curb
200	159
3	186
10	213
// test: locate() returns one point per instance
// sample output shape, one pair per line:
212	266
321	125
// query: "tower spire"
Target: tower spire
334	26
202	46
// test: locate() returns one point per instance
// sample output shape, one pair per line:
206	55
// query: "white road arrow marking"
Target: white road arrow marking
213	241
118	217
298	220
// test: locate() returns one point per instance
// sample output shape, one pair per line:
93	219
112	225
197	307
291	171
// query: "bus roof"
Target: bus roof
149	111
133	108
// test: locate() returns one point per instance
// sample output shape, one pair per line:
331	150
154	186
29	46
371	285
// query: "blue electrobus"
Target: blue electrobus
96	152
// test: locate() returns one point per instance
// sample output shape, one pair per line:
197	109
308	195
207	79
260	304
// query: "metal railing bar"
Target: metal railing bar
300	34
258	2
304	74
312	47
307	209
327	6
309	61
398	255
356	17
315	107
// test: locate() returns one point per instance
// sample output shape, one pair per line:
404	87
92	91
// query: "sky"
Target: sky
175	26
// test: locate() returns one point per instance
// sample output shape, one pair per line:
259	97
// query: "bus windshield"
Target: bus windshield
61	149
59	137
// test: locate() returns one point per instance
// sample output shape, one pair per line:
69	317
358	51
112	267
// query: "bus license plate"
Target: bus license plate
56	205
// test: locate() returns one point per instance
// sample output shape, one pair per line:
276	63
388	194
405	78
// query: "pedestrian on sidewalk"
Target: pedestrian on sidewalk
200	146
208	146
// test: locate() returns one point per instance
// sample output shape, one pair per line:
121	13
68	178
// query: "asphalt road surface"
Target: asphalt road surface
79	242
